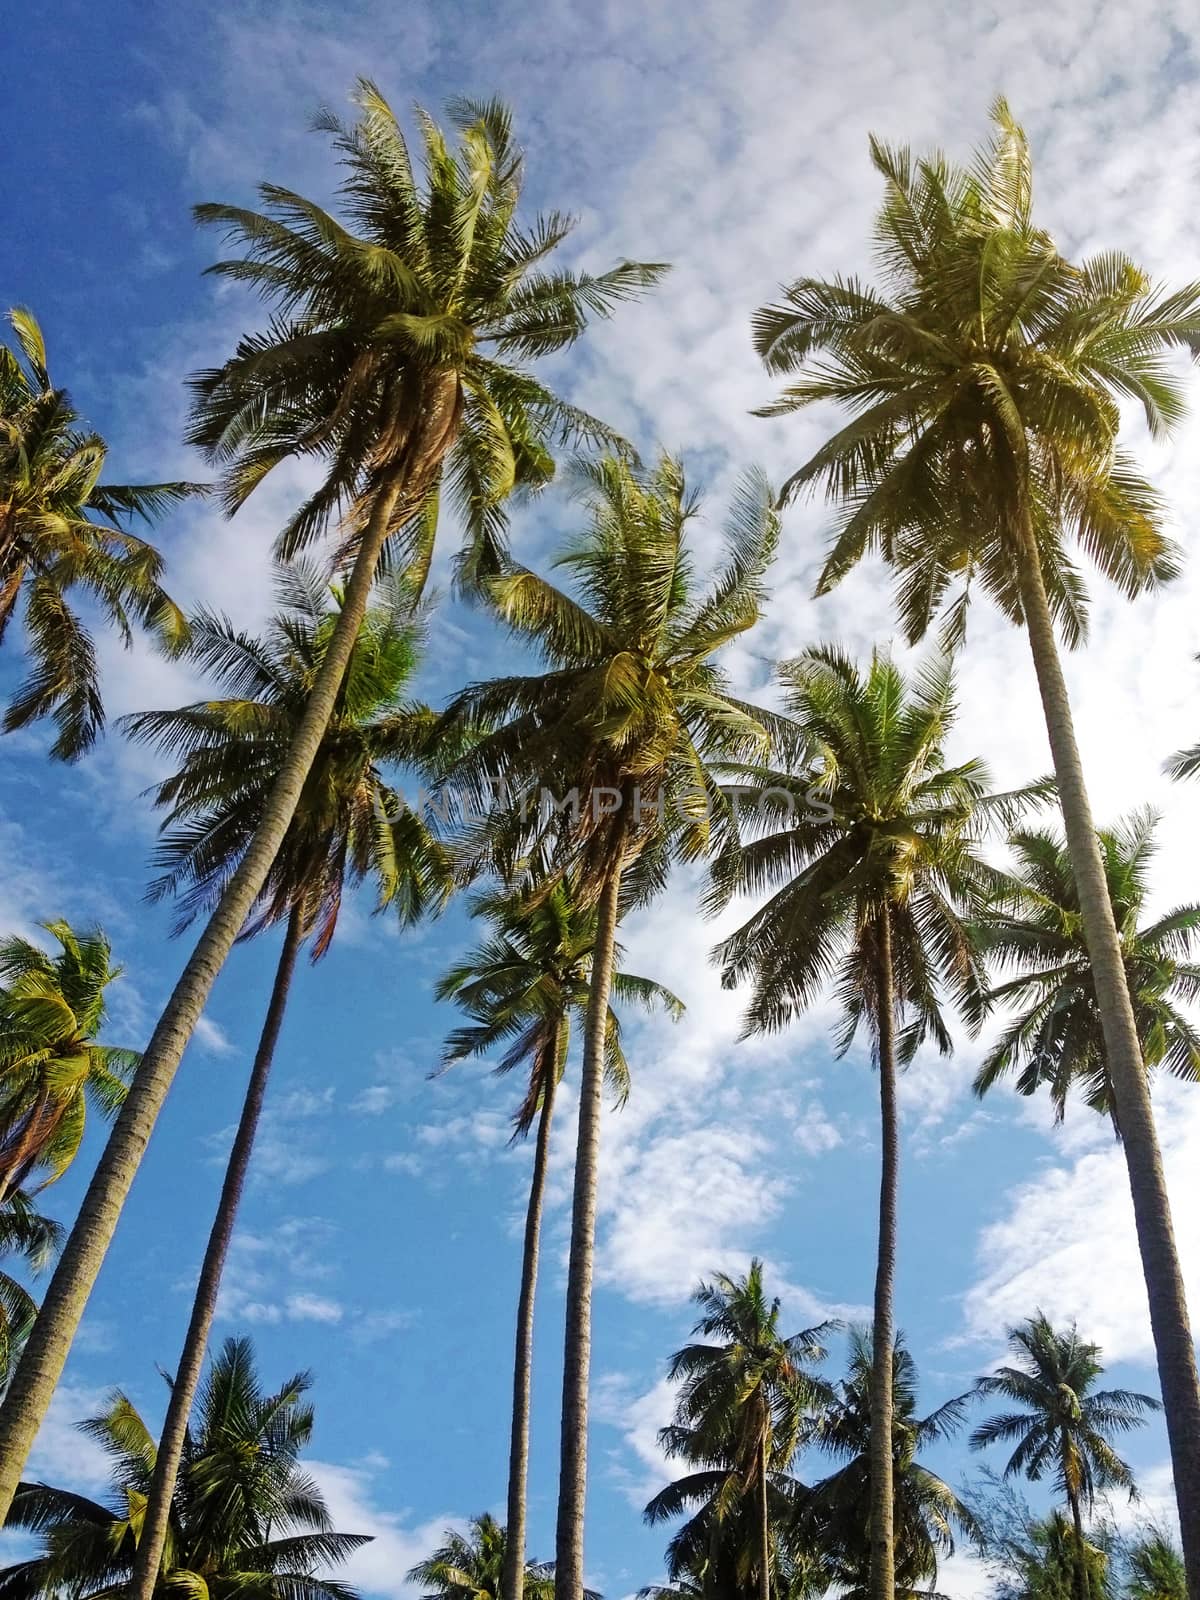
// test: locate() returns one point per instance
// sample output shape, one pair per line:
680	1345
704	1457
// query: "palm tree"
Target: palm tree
52	1007
1034	929
613	741
740	1413
24	1232
869	857
349	826
1064	1423
245	1517
391	362
1185	763
984	381
471	1566
522	987
61	529
838	1515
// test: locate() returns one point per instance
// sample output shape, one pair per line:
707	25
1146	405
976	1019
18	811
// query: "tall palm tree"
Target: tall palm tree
245	1517
1064	1424
838	1515
391	361
523	987
612	742
61	529
869	856
740	1411
1034	930
52	1009
24	1233
471	1566
349	826
984	379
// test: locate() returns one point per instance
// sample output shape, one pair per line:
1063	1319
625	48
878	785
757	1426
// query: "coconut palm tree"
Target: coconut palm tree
869	854
24	1233
62	530
1033	930
470	1566
605	754
349	826
245	1517
392	361
742	1405
1064	1423
52	1008
523	987
837	1517
983	378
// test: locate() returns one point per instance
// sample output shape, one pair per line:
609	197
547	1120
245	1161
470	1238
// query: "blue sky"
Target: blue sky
379	1240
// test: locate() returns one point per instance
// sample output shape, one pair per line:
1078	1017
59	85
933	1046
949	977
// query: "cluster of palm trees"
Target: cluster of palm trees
981	378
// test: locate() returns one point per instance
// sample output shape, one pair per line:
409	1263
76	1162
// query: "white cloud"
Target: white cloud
213	1038
378	1568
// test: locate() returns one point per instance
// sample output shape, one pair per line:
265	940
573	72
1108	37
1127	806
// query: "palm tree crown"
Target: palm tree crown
469	1566
1035	930
62	529
25	1233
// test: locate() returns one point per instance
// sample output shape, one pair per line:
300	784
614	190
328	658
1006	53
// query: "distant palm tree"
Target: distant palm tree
471	1566
1064	1423
349	826
741	1409
837	1516
984	382
61	529
868	848
52	1008
618	729
391	362
1185	763
25	1233
1034	930
522	987
246	1519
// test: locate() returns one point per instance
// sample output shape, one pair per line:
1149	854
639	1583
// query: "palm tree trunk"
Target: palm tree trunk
191	1362
572	1479
518	1450
1147	1185
882	1584
1083	1587
764	1525
49	1343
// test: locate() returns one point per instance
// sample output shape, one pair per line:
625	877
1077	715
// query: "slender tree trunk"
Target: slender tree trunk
1083	1587
1147	1185
191	1362
49	1343
518	1450
572	1481
883	1552
764	1525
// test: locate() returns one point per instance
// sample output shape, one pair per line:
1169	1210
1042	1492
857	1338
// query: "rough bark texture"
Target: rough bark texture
518	1450
883	1554
572	1480
764	1525
1151	1207
191	1361
49	1343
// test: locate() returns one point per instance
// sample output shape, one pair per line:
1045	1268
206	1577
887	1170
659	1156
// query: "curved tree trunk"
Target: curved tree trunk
764	1525
882	1584
49	1343
572	1480
157	1517
1151	1206
518	1450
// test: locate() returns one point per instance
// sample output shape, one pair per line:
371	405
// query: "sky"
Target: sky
379	1240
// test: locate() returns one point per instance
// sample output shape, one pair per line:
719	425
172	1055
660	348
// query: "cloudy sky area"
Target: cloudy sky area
379	1244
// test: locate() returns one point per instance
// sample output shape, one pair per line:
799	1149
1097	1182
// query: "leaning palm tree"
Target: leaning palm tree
523	987
1063	1427
471	1566
393	363
984	378
1033	930
62	530
837	1517
349	826
52	1009
606	757
26	1234
869	854
245	1518
743	1403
